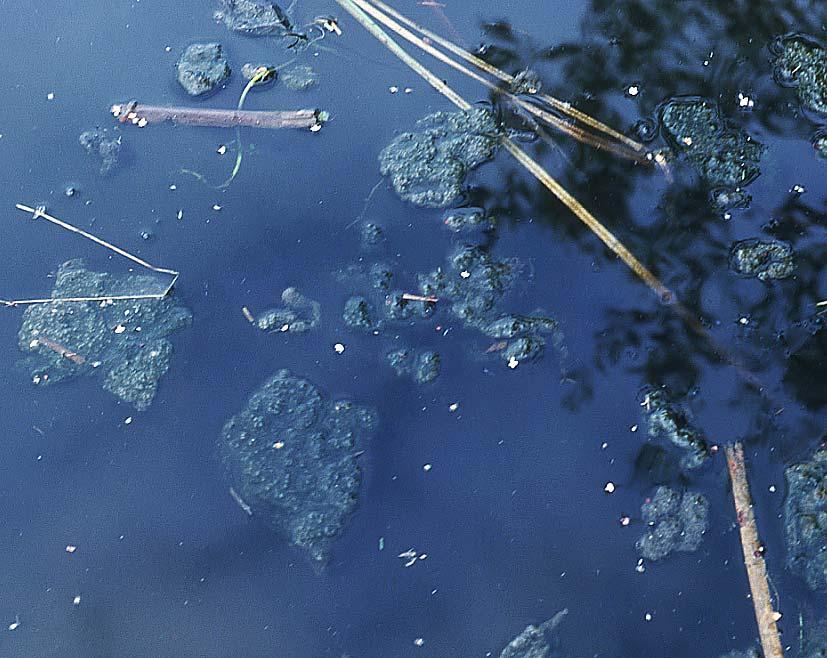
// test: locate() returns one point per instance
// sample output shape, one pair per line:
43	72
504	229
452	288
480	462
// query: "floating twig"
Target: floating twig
753	551
412	297
141	115
40	212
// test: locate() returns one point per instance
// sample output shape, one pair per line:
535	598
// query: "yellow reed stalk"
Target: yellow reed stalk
765	615
562	106
572	130
354	8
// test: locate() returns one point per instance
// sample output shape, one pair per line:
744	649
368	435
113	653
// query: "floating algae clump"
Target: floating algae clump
724	157
805	520
676	523
802	63
667	420
749	653
299	78
428	167
763	259
254	18
202	67
291	455
300	315
421	366
124	339
99	144
536	641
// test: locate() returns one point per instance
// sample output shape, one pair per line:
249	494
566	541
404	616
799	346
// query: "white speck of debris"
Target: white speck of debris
633	428
465	274
798	189
393	89
36	379
173	187
609	488
419	642
640	567
284	327
316	127
513	363
745	102
408	90
51	95
142	122
15	624
71	548
453	406
221	150
427	467
120	329
727	215
278	445
687	141
180	215
128	421
776	616
772	488
76	600
34	343
744	321
604	445
216	207
625	520
167	49
633	90
648	616
339	348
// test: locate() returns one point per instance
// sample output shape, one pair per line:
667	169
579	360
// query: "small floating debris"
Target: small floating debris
100	144
300	315
422	366
669	421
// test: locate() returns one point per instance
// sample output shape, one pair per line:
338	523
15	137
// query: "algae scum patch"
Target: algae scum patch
123	340
428	167
291	457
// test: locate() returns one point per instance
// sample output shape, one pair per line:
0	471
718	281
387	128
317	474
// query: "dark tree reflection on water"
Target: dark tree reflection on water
714	50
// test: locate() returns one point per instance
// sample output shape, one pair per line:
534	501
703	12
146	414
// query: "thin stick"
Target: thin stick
141	115
522	157
562	106
765	616
563	126
40	212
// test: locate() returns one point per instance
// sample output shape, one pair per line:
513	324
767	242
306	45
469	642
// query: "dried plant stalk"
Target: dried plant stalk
765	615
141	115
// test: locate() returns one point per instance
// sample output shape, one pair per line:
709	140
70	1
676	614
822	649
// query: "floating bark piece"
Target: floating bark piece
752	548
141	115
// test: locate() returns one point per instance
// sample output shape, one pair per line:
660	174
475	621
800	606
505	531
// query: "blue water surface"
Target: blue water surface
512	513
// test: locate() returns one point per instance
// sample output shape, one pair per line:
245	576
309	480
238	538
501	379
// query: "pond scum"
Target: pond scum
307	488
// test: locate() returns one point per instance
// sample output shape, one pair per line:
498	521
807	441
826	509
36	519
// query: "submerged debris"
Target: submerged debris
724	156
763	259
469	222
100	144
805	520
360	314
372	235
525	82
254	18
749	653
202	67
299	78
428	167
292	456
535	641
668	421
422	366
301	314
676	523
122	339
802	63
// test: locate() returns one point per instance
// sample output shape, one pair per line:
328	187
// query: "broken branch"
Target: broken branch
141	115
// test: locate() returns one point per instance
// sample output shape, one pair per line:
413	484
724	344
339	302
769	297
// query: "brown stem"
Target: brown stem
141	115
